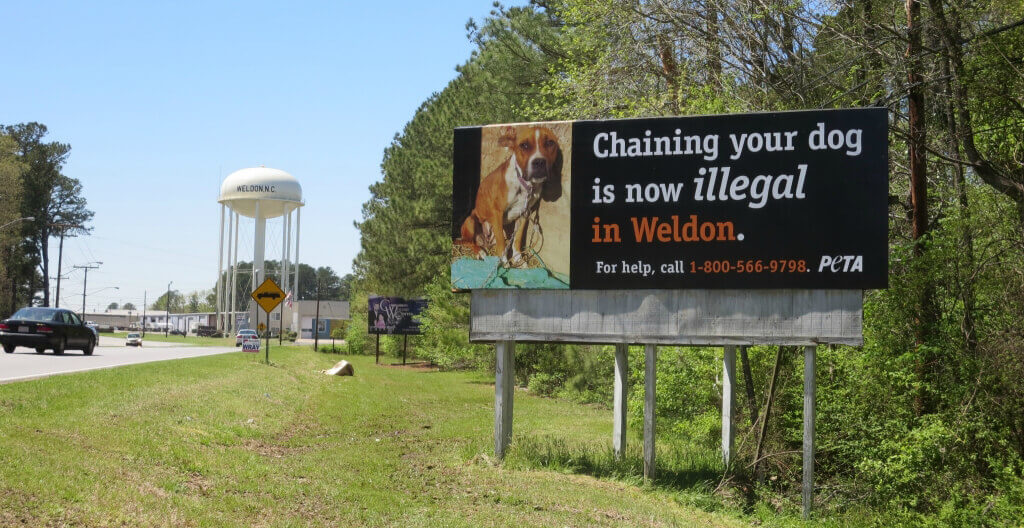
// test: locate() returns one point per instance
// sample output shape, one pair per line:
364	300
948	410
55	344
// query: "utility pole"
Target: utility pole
84	282
143	313
316	322
60	256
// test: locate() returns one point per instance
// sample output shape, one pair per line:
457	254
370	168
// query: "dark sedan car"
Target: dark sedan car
42	328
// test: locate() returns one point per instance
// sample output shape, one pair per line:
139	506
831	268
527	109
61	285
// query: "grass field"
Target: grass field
228	441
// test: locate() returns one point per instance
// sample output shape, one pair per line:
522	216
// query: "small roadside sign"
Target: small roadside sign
268	295
251	345
261	327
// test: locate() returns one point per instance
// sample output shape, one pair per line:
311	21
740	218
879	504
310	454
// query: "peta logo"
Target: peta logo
841	263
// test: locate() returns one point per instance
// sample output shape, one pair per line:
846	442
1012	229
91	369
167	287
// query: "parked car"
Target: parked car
243	334
133	339
250	343
41	328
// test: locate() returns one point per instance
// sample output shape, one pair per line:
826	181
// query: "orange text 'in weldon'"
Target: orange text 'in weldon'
649	229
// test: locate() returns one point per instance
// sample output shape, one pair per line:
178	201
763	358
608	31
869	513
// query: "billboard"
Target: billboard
768	200
394	315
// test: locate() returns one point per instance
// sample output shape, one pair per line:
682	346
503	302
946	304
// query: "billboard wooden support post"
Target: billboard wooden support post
377	358
504	387
809	382
650	382
621	391
728	403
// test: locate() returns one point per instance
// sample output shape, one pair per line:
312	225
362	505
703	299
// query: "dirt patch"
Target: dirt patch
198	484
147	488
16	509
274	450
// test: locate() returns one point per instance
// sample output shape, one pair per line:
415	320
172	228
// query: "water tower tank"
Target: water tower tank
277	192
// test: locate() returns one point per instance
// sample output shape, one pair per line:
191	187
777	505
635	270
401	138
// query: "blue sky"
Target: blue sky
161	101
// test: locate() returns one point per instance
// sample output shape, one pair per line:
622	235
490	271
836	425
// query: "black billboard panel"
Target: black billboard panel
768	200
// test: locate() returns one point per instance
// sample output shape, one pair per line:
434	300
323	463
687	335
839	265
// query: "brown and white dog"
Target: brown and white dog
510	195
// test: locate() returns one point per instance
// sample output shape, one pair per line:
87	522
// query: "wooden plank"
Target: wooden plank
620	393
669	317
504	391
728	403
650	380
809	395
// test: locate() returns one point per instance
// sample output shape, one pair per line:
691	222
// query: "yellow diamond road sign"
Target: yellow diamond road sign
268	295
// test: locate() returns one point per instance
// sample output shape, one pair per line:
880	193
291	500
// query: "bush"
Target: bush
356	337
545	384
445	326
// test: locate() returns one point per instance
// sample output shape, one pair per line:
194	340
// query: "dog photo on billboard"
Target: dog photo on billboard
514	229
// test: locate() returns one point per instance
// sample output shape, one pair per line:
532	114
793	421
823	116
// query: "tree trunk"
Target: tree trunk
669	69
916	147
767	412
949	32
714	46
748	383
966	238
44	250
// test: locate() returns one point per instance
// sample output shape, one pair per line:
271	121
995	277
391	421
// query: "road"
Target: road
25	364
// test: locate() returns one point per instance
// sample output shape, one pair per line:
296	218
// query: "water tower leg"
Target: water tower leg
226	299
284	252
220	270
259	244
298	224
286	275
232	319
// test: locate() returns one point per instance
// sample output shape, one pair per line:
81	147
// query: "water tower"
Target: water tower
259	193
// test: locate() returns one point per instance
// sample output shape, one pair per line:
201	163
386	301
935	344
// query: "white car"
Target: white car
242	335
133	339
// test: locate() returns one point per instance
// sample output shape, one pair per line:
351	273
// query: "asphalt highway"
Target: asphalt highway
25	364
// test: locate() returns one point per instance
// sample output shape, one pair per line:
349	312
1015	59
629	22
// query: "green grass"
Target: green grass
228	441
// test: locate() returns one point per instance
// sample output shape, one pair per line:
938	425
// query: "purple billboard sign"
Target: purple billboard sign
394	315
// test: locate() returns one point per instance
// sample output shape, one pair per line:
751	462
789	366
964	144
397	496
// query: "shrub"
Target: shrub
545	384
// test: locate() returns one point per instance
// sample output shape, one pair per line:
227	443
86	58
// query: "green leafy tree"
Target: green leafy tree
53	199
112	306
176	304
12	171
406	225
332	287
128	306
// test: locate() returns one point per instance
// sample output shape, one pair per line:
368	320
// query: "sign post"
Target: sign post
268	295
